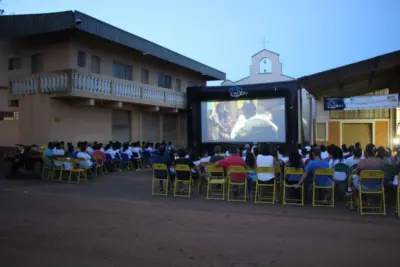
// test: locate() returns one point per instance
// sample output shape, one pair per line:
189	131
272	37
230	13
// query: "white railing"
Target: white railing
89	84
23	86
54	83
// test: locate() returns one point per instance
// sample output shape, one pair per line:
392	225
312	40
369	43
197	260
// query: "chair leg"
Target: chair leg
360	201
284	194
313	195
302	195
333	196
384	201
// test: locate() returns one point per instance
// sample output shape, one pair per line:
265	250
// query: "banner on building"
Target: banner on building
362	102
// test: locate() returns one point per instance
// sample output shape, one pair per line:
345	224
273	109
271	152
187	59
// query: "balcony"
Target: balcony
75	84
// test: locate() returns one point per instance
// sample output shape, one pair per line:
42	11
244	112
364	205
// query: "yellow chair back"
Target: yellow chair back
293	171
265	170
372	174
182	168
236	169
159	167
327	172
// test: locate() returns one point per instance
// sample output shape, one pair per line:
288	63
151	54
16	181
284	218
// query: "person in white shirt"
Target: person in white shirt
337	158
58	152
324	153
89	150
227	154
265	159
86	161
352	161
125	150
110	151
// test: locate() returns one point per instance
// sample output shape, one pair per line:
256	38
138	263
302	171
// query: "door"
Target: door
170	131
121	126
150	126
357	132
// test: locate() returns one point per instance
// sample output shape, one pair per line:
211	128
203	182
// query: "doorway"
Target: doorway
357	132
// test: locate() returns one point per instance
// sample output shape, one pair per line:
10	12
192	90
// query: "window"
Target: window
37	63
178	85
9	116
122	71
265	65
164	81
144	77
13	103
95	64
81	59
15	63
322	131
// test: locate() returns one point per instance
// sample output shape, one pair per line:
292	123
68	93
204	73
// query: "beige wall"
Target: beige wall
42	118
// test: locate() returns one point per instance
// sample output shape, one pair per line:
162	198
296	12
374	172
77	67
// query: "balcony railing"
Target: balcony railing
81	85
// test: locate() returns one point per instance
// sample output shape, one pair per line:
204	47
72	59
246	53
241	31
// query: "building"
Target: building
265	68
68	76
370	77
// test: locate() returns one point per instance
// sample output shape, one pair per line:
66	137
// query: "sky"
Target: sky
310	35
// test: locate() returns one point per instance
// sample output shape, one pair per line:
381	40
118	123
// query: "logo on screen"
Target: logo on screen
237	91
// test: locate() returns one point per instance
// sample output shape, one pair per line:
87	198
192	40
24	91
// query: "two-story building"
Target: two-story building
68	76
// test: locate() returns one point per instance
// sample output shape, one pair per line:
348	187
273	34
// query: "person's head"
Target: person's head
161	149
304	152
233	150
246	147
256	151
351	149
381	152
295	159
250	159
108	146
357	153
329	149
182	153
336	153
369	150
323	148
125	146
217	149
57	145
70	149
157	145
344	148
265	149
170	143
220	108
249	110
83	149
358	145
194	156
316	152
50	145
204	153
299	146
62	144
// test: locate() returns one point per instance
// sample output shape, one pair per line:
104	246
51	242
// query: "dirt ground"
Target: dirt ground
114	221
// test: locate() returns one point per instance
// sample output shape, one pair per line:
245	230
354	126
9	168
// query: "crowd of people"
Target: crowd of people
308	158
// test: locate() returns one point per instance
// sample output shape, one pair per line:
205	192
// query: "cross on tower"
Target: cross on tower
264	43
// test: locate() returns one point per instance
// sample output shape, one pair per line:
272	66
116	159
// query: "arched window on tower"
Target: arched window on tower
265	65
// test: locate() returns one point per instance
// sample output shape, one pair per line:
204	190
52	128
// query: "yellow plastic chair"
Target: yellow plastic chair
372	183
398	199
47	165
259	198
213	179
286	185
88	170
162	168
350	197
179	170
322	203
241	171
60	168
77	170
100	167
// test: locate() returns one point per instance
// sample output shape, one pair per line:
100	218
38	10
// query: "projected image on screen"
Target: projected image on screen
258	120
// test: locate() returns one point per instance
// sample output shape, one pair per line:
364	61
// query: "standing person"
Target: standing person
218	115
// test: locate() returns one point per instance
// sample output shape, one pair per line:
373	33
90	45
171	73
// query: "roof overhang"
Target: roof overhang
16	26
355	79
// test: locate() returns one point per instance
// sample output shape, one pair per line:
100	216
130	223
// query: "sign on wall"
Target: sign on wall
362	102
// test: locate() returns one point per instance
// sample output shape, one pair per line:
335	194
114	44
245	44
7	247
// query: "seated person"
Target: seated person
337	158
316	163
98	152
235	160
370	162
86	162
126	151
58	153
251	171
353	161
266	159
195	158
110	151
182	159
163	159
217	155
89	149
49	150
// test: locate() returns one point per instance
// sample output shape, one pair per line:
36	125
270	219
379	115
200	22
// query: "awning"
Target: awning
355	79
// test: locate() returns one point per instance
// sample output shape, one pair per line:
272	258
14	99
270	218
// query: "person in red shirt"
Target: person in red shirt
235	160
100	153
